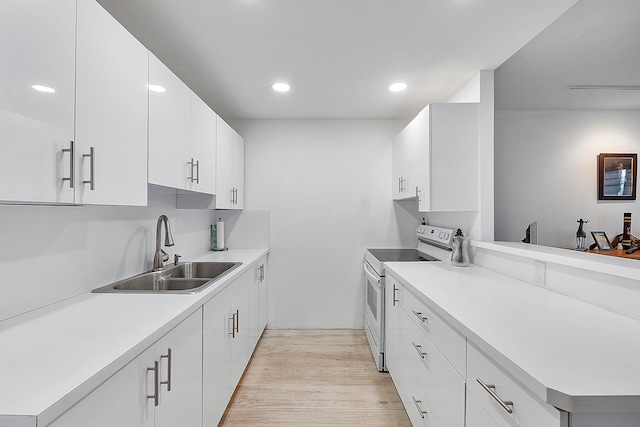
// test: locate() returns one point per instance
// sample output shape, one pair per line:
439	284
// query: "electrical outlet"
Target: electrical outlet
540	273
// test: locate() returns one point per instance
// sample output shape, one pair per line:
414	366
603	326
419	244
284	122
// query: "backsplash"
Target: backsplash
51	253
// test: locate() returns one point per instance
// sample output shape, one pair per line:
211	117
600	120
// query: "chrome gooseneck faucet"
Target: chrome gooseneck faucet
161	256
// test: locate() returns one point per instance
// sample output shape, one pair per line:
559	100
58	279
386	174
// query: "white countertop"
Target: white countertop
52	357
575	356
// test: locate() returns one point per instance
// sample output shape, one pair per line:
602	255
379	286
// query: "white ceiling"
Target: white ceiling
338	55
596	43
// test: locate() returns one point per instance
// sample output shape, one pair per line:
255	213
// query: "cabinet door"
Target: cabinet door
37	47
238	170
454	166
119	401
111	111
224	165
240	343
254	308
180	359
201	177
392	324
169	126
410	157
217	389
476	416
264	295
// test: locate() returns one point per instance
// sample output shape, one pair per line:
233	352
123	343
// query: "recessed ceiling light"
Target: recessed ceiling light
45	89
281	87
397	87
156	88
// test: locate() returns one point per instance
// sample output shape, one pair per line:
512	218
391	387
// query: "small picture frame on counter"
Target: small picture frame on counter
617	176
601	240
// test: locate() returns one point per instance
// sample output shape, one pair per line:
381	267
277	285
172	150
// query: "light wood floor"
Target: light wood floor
314	377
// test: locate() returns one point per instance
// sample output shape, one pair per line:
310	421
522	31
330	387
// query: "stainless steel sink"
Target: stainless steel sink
199	270
185	277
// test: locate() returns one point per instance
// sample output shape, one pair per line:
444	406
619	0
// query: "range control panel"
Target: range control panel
437	236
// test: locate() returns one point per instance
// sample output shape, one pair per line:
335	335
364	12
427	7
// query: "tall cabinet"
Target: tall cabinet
37	47
435	159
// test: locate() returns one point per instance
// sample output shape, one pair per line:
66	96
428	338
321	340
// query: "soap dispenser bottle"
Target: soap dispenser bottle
460	255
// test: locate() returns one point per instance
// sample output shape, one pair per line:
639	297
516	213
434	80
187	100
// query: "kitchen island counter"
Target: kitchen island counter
572	355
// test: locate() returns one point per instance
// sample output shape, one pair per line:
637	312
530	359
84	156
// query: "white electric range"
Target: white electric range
434	244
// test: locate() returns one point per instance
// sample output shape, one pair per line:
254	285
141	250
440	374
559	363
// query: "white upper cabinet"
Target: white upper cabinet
111	111
182	134
169	126
201	167
229	168
435	159
37	47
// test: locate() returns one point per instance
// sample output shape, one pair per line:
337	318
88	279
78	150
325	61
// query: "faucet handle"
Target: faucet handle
176	258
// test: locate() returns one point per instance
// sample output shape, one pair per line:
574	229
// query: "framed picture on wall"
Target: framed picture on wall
617	176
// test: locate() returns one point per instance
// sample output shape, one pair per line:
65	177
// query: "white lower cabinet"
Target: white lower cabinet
507	402
392	300
476	415
231	324
155	389
180	363
437	391
431	388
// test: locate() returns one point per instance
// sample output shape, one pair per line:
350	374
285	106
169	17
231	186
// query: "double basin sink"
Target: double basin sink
184	277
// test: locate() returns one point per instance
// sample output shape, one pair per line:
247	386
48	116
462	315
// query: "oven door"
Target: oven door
374	313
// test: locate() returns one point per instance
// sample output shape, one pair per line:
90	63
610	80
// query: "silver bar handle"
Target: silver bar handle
190	164
399	184
506	404
235	196
419	350
195	165
419	315
154	396
237	322
168	357
395	300
72	164
92	168
418	404
232	193
418	195
233	325
261	269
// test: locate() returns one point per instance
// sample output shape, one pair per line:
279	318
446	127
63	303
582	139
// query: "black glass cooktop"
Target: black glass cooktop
400	255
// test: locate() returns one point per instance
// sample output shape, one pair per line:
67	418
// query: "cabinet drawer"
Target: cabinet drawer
527	409
451	343
442	388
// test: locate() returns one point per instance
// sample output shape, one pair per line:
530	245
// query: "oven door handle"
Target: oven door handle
373	277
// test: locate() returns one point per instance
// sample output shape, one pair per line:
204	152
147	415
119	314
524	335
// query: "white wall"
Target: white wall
49	253
477	225
327	184
546	171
